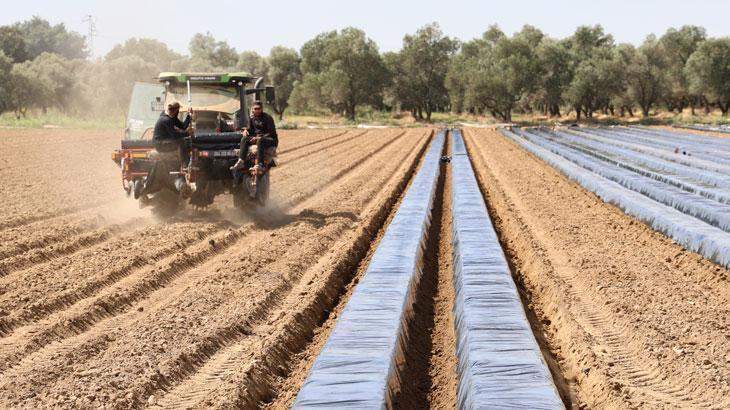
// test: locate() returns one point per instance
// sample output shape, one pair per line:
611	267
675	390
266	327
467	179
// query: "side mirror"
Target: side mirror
270	95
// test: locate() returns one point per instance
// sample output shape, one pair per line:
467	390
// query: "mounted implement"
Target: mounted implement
220	102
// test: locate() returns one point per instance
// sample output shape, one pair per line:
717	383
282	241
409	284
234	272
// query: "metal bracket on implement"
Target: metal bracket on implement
357	367
500	363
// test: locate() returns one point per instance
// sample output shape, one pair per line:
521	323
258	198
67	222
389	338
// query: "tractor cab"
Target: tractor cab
220	103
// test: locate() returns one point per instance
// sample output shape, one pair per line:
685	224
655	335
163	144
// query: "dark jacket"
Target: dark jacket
263	125
165	129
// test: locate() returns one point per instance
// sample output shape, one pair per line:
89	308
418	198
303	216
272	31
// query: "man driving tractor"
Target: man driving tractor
262	132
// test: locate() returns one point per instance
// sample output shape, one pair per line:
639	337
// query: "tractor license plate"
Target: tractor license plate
222	153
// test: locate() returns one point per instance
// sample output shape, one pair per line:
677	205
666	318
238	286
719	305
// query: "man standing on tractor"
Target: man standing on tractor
262	132
169	134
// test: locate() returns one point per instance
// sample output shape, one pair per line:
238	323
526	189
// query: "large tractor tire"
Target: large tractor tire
262	190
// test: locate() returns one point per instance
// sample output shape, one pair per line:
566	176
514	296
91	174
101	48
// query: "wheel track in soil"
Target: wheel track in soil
43	310
46	248
248	385
629	367
339	174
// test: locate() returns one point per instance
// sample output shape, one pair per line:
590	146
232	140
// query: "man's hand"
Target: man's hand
255	140
244	133
190	131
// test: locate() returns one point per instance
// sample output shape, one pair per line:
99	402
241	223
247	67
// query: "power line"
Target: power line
92	31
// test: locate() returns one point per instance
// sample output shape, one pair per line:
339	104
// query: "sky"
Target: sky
261	25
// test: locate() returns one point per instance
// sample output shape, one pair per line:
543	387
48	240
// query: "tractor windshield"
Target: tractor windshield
206	97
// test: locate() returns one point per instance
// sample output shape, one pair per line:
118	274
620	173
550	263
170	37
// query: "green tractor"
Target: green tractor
220	104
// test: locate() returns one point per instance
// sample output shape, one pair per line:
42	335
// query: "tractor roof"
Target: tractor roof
207	78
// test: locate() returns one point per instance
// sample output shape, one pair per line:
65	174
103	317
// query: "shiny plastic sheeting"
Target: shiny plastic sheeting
500	364
691	233
357	366
712	212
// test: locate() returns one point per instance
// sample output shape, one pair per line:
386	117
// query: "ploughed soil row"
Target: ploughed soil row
634	320
202	309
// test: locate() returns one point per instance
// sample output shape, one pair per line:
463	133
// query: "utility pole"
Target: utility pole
92	31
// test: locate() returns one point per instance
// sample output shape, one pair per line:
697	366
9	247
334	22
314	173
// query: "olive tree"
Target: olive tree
283	72
646	74
42	37
503	71
421	68
678	46
206	51
708	71
252	63
149	50
342	70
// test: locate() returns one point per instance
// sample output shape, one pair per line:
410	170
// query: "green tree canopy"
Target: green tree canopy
283	73
147	49
500	71
419	70
678	46
12	44
253	63
42	37
343	70
205	50
708	71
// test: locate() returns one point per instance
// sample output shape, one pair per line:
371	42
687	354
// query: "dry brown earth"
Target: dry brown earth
102	304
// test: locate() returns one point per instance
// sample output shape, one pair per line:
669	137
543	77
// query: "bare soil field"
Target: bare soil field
634	320
102	304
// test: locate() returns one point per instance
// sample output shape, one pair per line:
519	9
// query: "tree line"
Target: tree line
44	66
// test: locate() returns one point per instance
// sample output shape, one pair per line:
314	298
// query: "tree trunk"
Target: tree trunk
612	109
645	110
350	112
506	116
724	108
577	112
631	111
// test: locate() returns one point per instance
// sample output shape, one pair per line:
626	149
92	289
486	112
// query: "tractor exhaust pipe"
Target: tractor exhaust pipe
257	86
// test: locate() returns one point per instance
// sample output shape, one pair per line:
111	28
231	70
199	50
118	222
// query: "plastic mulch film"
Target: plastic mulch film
647	162
357	366
691	233
617	139
704	127
500	363
705	209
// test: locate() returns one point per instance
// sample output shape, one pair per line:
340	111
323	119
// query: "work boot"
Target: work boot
240	164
